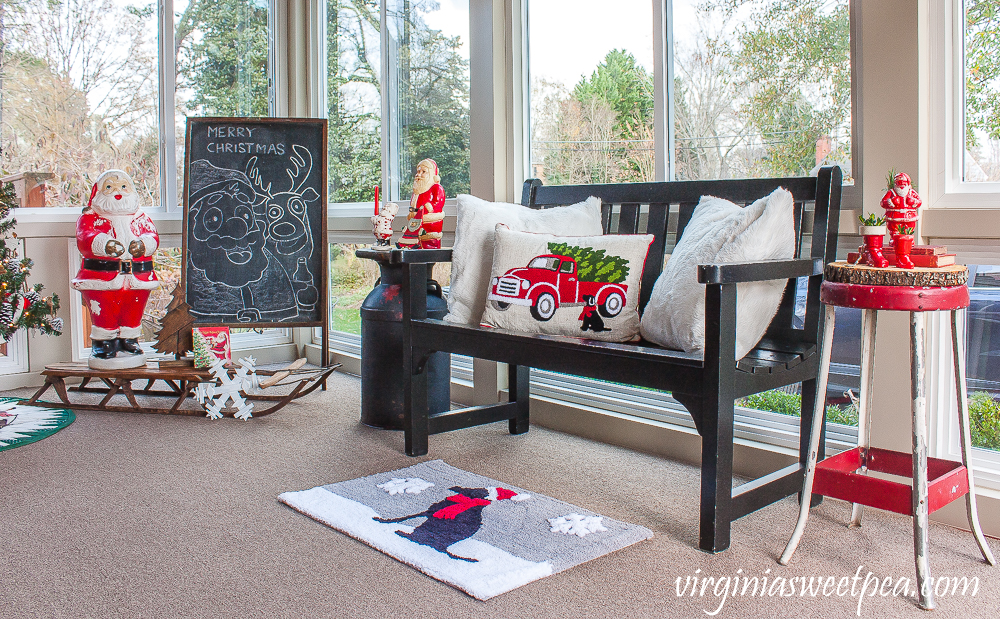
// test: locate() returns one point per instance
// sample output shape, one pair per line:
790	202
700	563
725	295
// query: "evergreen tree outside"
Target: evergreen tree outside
762	85
221	57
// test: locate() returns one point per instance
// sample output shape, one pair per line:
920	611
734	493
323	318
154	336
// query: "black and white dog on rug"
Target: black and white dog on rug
454	519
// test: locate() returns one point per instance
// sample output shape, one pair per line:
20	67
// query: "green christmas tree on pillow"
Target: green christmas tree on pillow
593	265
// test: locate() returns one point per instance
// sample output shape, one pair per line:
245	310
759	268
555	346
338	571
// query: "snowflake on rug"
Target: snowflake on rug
21	424
409	485
576	524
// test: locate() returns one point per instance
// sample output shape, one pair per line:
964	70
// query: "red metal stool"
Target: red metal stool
844	476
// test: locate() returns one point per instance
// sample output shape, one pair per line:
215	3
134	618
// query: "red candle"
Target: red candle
376	199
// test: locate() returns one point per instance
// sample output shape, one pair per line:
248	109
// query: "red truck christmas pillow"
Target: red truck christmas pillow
580	286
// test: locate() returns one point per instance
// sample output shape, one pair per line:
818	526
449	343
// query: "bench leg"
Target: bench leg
415	425
717	408
716	478
517	385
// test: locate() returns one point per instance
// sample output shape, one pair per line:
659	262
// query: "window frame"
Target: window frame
170	202
945	120
943	402
961	214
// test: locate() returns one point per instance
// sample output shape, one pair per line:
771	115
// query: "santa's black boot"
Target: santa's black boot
103	349
129	345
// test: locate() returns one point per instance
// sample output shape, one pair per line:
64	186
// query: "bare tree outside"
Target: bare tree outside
80	94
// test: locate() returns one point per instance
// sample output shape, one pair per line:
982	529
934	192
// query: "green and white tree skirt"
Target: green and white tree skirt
21	424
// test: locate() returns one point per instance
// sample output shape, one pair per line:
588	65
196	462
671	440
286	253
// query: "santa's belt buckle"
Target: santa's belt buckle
126	266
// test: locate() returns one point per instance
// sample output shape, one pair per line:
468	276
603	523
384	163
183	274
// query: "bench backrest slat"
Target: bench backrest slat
816	217
628	219
657	221
684	212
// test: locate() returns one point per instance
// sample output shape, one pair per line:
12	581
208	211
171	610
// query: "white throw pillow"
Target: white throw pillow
721	232
472	255
580	286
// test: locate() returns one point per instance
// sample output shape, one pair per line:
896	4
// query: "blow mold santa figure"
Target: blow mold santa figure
426	217
117	241
901	202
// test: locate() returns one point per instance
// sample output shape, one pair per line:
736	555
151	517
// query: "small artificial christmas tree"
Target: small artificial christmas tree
21	306
593	265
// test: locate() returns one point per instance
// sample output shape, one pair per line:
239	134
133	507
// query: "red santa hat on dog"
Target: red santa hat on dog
499	494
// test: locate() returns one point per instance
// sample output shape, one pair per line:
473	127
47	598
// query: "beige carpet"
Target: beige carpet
125	515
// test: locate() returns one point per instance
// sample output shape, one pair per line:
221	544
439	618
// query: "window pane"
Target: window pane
354	100
74	105
429	91
352	278
761	87
591	68
221	63
982	355
982	91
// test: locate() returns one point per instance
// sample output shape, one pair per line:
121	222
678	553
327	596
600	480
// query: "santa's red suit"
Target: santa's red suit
900	203
117	241
425	221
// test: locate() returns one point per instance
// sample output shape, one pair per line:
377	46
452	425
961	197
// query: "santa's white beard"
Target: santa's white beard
420	188
902	191
107	205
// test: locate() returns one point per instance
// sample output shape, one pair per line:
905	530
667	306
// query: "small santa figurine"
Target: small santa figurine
117	241
382	222
901	203
426	217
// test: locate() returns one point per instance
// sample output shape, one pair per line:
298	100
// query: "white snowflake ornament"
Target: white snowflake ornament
409	485
575	524
214	397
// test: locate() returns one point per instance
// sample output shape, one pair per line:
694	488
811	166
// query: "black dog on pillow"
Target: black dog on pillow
453	519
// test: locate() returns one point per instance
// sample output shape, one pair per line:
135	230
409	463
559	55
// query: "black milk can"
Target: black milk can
382	373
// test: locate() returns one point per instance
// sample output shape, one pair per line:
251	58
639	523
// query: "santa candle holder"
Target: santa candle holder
382	223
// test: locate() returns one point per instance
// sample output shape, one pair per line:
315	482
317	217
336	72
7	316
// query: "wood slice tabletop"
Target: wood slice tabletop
845	273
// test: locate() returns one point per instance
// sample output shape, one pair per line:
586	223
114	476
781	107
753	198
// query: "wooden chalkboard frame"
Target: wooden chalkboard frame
320	239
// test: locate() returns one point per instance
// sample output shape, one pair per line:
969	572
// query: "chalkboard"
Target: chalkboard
255	252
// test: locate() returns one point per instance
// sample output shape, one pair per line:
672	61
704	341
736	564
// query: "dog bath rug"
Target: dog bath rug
472	532
21	424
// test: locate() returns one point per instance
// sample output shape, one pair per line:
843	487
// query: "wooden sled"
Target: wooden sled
177	382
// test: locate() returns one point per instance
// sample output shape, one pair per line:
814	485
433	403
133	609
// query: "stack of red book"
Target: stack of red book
926	256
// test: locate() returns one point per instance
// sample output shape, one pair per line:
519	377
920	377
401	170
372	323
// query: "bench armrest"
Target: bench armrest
738	272
407	256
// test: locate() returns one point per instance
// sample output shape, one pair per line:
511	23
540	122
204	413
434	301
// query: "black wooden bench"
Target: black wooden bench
707	385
